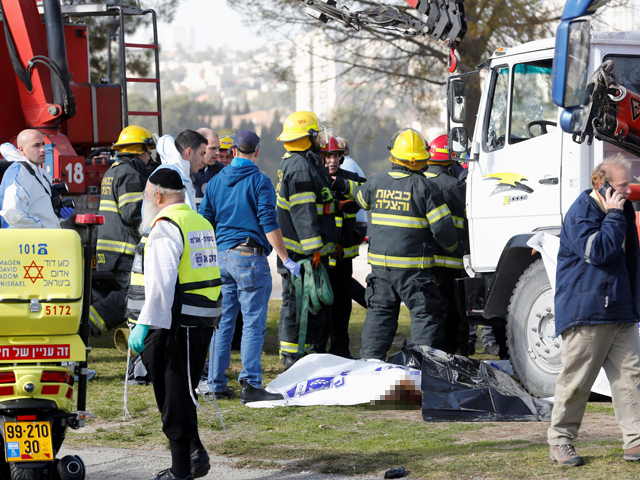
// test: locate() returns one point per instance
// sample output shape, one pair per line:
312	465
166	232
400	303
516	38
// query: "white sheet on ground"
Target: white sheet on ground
323	379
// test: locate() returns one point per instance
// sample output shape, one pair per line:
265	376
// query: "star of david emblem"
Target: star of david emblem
29	275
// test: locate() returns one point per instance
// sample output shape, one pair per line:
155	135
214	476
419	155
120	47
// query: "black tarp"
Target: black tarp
456	388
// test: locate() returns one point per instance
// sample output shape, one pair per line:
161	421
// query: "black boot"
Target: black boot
168	475
252	394
200	464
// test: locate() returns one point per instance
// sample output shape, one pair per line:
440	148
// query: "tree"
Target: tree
411	71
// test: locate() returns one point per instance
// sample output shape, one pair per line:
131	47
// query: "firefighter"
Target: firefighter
306	216
226	146
448	265
347	248
408	218
120	203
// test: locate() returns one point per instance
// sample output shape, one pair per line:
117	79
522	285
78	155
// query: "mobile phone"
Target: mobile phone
603	190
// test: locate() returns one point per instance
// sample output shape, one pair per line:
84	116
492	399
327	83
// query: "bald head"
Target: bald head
31	146
213	145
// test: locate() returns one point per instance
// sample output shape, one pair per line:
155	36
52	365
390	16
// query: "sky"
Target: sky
213	24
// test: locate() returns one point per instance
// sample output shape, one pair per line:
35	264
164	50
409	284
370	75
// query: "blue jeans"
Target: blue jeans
246	284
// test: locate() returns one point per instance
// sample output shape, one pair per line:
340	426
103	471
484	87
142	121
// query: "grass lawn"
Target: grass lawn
347	440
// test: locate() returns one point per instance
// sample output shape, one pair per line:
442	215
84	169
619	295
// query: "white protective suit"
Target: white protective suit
26	201
171	158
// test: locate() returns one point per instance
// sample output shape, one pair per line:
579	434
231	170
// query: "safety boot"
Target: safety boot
565	455
200	463
252	394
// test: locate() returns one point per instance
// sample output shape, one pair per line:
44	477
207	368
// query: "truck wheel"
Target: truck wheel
18	473
533	346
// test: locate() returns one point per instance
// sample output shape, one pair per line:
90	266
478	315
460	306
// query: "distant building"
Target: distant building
181	35
316	72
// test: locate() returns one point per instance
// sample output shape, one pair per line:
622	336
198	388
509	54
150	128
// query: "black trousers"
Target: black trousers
456	329
387	288
113	308
165	357
337	326
289	329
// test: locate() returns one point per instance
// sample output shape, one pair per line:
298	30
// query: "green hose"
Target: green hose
311	292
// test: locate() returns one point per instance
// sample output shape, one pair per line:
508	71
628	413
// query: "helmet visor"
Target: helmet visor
324	135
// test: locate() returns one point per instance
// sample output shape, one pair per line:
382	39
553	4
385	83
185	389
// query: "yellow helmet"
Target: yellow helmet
297	126
226	138
409	149
133	139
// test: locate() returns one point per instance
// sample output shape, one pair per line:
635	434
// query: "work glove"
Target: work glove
339	253
315	259
66	212
348	206
293	267
136	338
339	185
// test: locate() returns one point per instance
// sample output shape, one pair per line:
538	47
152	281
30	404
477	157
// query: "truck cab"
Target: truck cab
524	174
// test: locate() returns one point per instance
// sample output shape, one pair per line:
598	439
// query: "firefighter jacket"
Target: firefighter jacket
197	301
121	205
348	238
409	217
454	192
305	205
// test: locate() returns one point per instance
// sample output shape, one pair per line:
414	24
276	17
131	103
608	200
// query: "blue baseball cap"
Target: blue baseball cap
246	141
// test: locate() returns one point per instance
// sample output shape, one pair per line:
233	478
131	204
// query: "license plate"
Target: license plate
28	441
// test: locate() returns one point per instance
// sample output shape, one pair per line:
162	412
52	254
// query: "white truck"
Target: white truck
524	174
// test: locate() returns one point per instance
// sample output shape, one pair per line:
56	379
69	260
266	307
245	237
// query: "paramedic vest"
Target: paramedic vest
198	286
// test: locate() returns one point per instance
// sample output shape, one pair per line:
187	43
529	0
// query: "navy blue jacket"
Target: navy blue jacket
240	202
596	280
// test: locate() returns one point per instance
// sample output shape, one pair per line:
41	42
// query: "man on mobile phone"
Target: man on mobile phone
597	310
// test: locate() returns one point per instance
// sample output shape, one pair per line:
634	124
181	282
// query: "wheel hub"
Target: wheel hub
543	346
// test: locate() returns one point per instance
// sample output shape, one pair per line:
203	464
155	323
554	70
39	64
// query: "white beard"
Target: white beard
149	212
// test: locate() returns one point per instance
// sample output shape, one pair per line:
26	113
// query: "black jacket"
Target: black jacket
409	218
121	205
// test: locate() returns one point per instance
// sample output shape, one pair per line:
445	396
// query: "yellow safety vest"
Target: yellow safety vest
198	286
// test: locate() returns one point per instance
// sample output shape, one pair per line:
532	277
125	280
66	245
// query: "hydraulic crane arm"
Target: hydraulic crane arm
445	19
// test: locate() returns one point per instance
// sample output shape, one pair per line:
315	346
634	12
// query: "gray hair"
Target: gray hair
168	192
602	173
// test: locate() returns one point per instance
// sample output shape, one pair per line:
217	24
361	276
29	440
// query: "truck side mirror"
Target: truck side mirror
458	143
457	101
571	64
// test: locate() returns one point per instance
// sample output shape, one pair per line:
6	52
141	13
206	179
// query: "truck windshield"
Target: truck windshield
497	124
626	71
533	113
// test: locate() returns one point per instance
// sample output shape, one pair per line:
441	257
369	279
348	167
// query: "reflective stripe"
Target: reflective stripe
451	248
108	206
448	262
328	248
361	201
300	198
400	262
311	243
115	246
201	311
398	174
338	222
282	203
587	250
437	213
398	221
458	222
292	245
430	175
130	198
351	252
292	347
320	208
349	215
96	319
135	304
332	262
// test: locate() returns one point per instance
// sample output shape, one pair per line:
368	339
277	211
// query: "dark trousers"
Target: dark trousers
386	289
337	326
111	310
165	357
289	329
456	329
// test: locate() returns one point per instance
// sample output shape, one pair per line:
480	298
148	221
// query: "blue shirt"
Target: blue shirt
240	202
